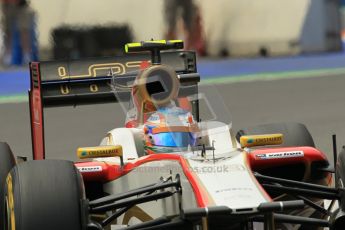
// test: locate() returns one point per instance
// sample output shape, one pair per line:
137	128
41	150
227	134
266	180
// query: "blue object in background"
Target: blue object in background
17	54
17	51
34	41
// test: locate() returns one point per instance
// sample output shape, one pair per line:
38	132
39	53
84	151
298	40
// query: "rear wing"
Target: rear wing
88	81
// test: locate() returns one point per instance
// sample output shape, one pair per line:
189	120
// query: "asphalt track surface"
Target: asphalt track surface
318	102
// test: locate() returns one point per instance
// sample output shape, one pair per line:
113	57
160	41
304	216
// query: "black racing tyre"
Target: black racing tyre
7	162
295	134
43	195
340	176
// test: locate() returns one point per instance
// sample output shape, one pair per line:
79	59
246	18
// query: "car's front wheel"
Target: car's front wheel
44	194
7	162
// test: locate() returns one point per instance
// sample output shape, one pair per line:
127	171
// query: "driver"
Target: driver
165	118
170	129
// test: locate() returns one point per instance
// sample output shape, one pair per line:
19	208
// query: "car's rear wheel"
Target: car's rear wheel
338	214
44	195
7	162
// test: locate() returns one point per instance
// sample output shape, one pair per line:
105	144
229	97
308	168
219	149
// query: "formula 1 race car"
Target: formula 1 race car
177	163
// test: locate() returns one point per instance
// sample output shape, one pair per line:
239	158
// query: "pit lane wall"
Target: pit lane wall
238	27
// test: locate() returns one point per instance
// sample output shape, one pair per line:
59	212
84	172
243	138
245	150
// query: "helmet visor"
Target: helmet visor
174	139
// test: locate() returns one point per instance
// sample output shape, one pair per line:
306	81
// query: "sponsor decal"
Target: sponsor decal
90	169
260	140
288	154
250	141
99	151
267	140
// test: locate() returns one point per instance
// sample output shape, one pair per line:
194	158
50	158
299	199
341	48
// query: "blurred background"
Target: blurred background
274	60
235	28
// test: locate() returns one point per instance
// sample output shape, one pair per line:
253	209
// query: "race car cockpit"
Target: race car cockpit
167	110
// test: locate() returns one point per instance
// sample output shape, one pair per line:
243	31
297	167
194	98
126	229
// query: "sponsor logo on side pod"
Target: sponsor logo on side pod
90	169
100	151
288	154
260	140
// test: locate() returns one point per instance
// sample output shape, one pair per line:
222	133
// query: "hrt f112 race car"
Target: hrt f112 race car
177	163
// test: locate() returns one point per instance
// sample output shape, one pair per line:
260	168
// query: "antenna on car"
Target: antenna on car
155	47
203	150
335	154
214	159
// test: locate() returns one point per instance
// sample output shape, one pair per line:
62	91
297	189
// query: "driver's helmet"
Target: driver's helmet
170	129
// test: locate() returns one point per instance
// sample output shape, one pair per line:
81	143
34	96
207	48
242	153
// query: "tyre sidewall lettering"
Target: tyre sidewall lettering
10	203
